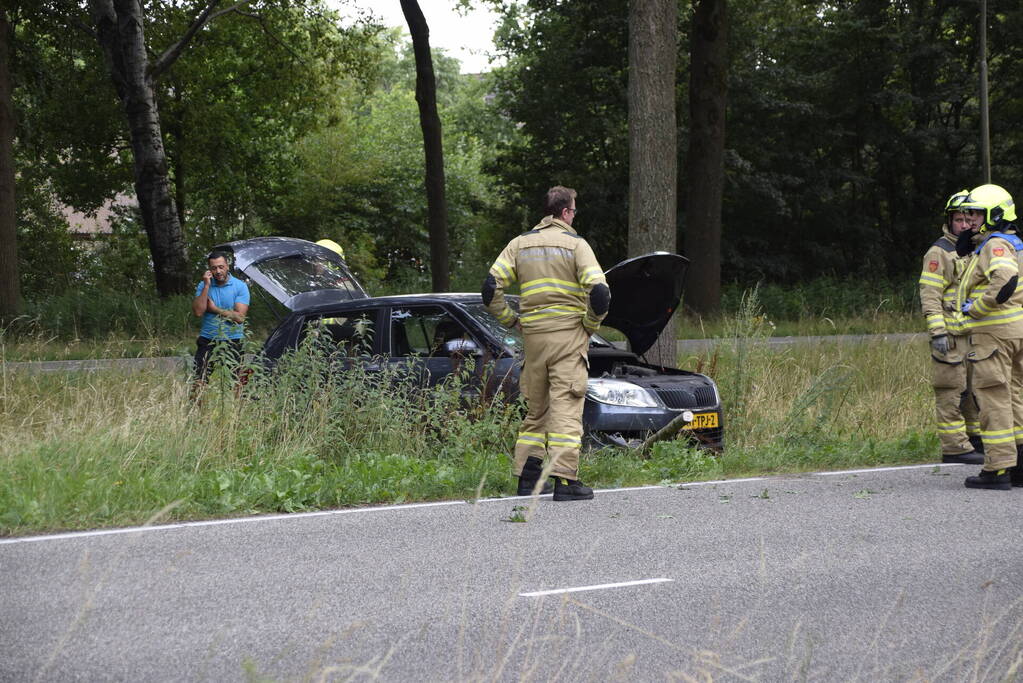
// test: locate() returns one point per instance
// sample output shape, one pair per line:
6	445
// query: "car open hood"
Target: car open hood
295	272
645	291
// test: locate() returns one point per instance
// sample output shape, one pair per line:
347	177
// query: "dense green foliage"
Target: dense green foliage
277	121
566	82
360	181
848	125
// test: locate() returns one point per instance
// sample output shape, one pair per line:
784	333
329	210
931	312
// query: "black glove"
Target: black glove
964	245
1007	290
939	344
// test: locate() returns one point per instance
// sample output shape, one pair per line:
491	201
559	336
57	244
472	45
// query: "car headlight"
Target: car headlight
618	393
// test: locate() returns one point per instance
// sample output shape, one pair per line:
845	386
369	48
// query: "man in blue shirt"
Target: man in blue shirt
222	301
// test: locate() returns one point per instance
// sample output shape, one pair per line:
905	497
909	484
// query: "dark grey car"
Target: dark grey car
429	336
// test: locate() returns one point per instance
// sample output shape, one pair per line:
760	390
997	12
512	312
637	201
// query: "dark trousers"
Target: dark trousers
228	351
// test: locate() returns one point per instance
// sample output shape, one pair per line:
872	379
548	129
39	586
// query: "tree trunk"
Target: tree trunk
653	147
708	91
10	291
176	161
429	121
119	26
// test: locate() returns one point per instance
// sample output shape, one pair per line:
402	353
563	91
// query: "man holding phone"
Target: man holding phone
222	301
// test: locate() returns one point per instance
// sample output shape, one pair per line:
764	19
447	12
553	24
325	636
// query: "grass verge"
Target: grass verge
110	448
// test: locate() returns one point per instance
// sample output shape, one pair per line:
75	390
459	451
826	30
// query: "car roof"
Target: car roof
394	300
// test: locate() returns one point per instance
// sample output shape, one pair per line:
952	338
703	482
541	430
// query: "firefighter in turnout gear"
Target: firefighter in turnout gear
991	305
564	296
955	406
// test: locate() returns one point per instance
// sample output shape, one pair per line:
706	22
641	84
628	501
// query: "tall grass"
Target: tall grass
828	404
100	314
93	314
112	448
109	448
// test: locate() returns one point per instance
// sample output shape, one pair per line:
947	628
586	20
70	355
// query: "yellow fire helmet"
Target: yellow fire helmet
954	204
956	200
333	246
994	201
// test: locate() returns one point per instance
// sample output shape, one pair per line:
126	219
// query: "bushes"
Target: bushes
100	314
831	297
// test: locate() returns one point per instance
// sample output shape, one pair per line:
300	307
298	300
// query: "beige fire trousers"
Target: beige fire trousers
997	384
955	406
553	382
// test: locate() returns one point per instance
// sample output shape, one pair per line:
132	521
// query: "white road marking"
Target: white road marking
413	506
598	587
889	469
687	484
234	520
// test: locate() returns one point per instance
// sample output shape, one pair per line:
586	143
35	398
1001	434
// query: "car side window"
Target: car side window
426	331
352	335
301	273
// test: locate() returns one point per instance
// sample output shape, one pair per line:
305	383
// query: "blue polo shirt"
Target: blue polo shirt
223	296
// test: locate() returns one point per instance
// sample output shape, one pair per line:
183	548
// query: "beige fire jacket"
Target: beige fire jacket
938	280
557	269
991	267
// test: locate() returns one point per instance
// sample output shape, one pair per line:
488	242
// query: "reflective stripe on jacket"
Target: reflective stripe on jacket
988	270
556	269
938	279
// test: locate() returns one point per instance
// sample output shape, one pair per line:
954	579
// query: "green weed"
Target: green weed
110	448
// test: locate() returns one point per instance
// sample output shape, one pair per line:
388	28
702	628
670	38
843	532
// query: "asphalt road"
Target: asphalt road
877	575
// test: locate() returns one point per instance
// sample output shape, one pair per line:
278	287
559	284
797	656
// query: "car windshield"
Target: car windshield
300	273
511	336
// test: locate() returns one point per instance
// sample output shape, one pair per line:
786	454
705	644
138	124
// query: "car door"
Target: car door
429	344
499	366
344	336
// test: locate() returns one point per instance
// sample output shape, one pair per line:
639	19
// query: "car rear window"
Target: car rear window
302	273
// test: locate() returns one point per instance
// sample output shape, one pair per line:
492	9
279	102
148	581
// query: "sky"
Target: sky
466	37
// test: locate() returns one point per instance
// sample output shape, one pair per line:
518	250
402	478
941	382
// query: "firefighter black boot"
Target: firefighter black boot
531	471
971	458
977	442
997	480
571	489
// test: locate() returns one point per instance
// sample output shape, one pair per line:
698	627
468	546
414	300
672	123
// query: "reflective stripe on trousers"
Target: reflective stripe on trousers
553	382
997	384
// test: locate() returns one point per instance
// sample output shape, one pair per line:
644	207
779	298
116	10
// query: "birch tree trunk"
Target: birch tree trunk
10	290
429	121
120	30
653	146
708	92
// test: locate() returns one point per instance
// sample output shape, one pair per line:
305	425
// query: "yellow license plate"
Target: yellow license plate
702	421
